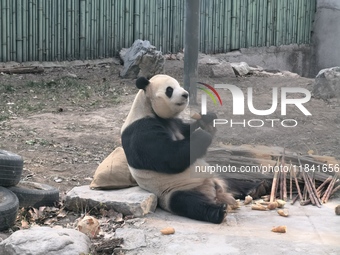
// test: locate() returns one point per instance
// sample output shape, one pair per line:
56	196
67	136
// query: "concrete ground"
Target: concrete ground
310	230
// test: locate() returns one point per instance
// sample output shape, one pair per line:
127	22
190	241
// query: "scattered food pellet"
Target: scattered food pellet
280	229
272	205
89	226
168	231
259	207
283	212
248	199
280	203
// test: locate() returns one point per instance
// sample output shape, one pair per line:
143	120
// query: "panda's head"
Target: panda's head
166	96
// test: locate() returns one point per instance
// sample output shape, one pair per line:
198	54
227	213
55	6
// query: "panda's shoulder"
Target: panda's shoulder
148	124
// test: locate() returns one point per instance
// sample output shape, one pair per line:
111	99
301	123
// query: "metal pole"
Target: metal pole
191	42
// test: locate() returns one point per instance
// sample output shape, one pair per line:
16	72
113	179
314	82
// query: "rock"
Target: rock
71	75
133	238
327	83
131	201
241	68
45	240
290	74
266	74
180	56
254	69
142	59
337	210
223	69
208	60
122	53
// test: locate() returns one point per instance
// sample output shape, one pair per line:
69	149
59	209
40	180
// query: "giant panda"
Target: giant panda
157	146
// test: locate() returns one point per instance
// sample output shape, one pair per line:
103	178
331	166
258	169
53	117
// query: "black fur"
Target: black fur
142	82
195	205
169	91
148	144
241	188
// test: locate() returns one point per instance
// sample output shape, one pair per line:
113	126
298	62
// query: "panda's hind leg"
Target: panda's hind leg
195	205
222	196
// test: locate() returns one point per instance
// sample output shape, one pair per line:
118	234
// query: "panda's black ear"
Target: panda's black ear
142	82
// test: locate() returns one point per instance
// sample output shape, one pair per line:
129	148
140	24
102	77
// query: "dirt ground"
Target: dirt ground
65	121
64	127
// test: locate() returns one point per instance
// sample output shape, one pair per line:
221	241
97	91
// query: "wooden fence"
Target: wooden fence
48	30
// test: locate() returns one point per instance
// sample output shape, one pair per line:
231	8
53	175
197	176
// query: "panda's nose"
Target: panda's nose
185	95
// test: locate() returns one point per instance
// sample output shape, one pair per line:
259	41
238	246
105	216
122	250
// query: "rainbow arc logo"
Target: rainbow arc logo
210	91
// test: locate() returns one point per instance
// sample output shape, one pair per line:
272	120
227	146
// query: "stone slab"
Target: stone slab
45	240
131	201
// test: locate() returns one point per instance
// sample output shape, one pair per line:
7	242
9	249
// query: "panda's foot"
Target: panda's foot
216	213
195	205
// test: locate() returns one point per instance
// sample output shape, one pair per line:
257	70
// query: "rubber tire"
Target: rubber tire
33	194
10	168
9	206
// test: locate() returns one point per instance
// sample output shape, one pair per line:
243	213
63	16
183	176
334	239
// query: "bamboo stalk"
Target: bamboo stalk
329	189
312	192
297	186
294	199
274	185
284	176
319	189
290	182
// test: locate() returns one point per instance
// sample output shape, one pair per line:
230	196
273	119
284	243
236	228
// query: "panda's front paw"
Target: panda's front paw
199	143
209	117
207	123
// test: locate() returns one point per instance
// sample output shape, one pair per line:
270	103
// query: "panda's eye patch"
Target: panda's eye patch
169	92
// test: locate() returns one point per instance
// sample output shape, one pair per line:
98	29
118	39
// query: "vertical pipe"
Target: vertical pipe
191	48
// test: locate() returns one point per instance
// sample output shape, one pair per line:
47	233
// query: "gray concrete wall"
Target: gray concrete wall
294	58
326	37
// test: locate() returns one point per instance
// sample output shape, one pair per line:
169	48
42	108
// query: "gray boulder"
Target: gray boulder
241	68
327	83
223	69
131	201
142	59
46	240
